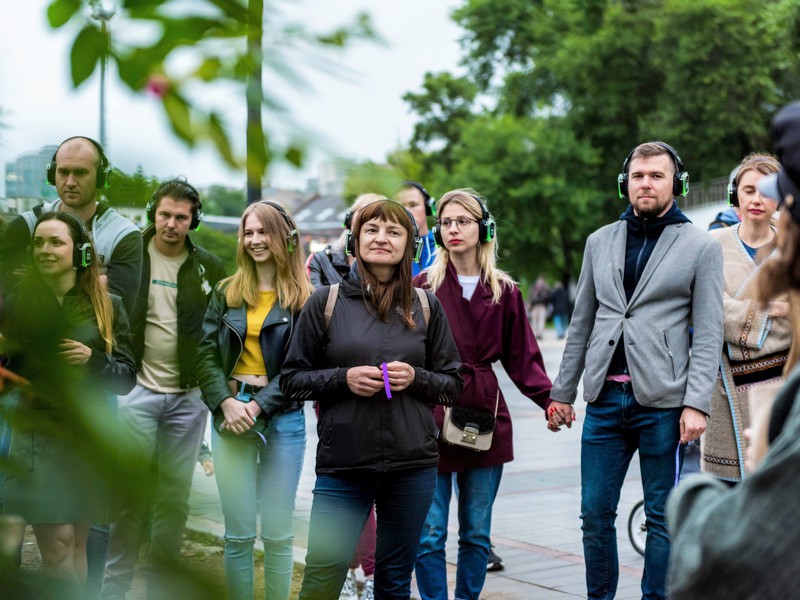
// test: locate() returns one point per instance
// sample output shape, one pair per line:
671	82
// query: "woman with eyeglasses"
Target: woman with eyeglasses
66	335
376	364
490	323
259	435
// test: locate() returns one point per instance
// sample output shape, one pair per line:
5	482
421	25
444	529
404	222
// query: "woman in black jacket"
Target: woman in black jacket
259	436
376	369
66	335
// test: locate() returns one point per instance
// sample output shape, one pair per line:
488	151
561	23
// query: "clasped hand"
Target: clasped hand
558	414
239	416
74	353
367	381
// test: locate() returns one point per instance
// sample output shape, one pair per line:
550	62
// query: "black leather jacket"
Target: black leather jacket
199	273
224	330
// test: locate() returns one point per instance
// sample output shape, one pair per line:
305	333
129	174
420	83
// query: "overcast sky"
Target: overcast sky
357	114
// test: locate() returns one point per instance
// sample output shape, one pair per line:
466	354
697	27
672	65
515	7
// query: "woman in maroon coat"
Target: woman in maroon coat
489	323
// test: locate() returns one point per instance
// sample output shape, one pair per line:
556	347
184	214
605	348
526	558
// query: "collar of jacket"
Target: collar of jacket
637	226
237	317
451	280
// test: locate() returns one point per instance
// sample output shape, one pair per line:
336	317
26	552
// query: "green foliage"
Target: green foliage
130	190
221	244
221	200
557	92
368	177
217	32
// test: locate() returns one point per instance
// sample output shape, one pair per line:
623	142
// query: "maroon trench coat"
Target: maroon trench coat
484	333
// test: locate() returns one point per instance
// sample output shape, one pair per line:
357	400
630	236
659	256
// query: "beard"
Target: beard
653	210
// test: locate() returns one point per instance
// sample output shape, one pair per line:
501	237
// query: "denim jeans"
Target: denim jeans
614	428
165	428
338	513
476	490
249	473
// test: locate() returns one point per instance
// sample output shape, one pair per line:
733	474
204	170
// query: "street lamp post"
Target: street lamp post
103	10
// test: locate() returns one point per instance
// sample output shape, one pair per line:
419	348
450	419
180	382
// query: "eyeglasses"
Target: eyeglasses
461	222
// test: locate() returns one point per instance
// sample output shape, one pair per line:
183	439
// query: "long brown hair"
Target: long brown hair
399	290
291	281
87	278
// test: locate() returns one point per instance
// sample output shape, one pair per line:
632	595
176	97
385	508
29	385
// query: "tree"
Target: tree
221	200
217	31
130	190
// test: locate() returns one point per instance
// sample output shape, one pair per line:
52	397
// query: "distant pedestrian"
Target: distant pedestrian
538	300
489	321
164	414
71	340
259	435
757	337
644	280
561	309
376	367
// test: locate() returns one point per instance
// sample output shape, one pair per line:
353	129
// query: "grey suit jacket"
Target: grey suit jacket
681	286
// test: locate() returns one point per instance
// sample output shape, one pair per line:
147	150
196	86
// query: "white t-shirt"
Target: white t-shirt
160	370
468	284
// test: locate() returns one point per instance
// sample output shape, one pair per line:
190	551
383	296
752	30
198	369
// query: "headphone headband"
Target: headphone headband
185	190
293	239
487	226
680	179
350	242
429	201
103	175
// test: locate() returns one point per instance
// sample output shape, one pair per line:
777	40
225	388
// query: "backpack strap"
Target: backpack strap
423	300
333	295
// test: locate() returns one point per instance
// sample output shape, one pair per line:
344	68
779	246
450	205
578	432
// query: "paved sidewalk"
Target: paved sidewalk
536	526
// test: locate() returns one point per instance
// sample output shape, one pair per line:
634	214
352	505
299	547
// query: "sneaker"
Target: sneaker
368	592
494	562
350	587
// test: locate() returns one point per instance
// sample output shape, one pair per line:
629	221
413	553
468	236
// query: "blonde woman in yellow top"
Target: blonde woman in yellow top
259	437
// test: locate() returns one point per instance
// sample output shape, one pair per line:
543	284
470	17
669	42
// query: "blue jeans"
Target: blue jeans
338	513
561	322
248	472
614	428
476	490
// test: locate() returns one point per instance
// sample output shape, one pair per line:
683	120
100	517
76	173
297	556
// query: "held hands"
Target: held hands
558	414
239	416
74	353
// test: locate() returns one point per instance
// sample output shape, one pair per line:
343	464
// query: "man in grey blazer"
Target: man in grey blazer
645	281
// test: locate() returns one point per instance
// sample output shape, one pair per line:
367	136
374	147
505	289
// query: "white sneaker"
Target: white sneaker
350	587
368	593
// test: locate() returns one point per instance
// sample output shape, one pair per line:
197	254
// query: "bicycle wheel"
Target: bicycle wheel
637	527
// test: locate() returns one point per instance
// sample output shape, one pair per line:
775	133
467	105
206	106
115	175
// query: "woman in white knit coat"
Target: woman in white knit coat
757	338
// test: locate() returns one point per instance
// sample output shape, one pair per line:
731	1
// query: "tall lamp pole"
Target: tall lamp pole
103	10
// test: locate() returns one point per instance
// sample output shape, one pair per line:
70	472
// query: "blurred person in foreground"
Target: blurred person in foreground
756	336
741	543
71	340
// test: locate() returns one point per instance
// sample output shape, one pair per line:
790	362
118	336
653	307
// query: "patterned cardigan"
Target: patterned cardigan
754	353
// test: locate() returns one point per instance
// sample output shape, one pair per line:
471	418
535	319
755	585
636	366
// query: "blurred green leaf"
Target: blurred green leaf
216	131
86	52
295	155
209	69
179	115
61	11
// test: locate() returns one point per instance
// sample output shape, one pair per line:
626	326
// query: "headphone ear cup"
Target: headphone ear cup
51	172
292	241
82	255
733	193
437	237
349	243
622	185
417	249
486	230
680	186
103	178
